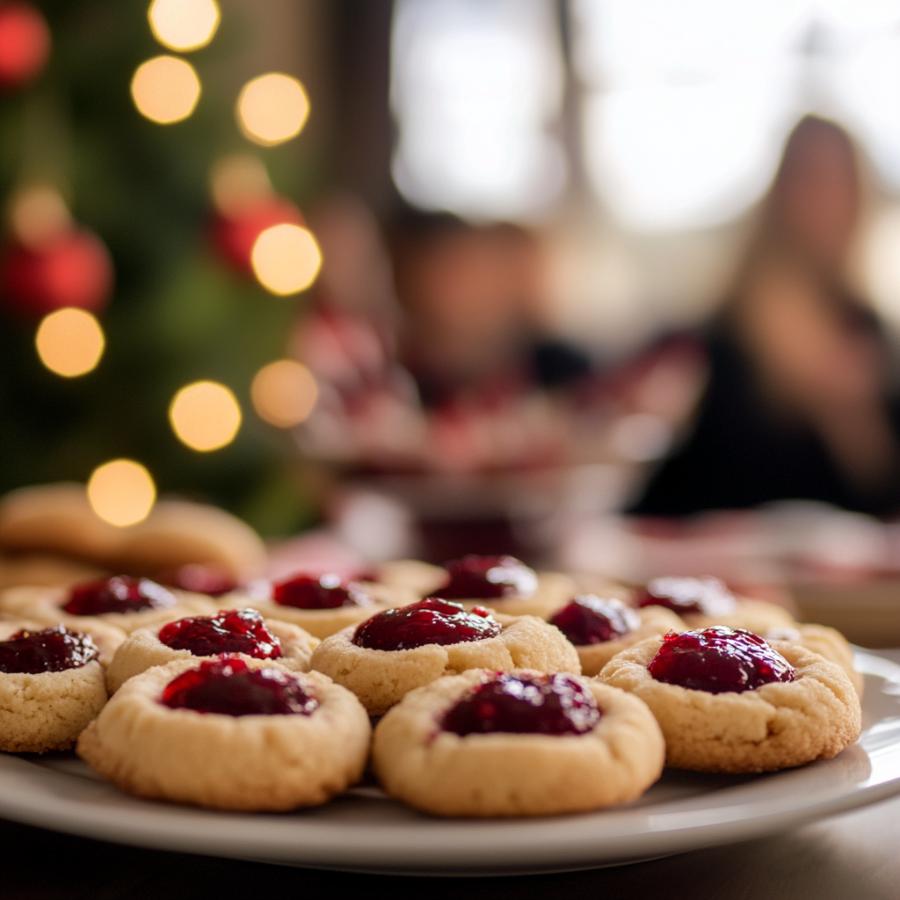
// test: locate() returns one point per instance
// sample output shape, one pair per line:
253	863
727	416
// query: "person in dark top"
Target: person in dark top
473	297
801	399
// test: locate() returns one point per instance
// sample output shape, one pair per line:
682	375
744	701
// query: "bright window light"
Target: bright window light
620	41
686	104
476	88
864	87
688	155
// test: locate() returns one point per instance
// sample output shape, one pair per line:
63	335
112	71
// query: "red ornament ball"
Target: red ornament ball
24	44
234	235
72	269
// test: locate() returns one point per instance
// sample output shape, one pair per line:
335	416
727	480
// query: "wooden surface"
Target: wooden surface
851	857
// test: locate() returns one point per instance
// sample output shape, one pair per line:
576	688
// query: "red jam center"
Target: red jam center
707	596
228	687
231	631
484	577
718	660
119	594
319	592
201	579
594	620
430	621
51	650
519	704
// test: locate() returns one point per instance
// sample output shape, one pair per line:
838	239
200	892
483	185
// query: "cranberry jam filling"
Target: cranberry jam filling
200	579
719	660
593	620
485	577
707	596
430	621
524	704
50	650
231	631
319	592
119	594
228	687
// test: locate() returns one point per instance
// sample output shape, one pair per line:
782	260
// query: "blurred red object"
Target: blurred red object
201	579
24	44
71	269
234	235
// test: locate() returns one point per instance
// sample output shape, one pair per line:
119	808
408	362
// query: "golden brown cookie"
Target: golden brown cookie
601	627
503	583
707	601
825	641
121	601
319	604
754	615
809	711
178	533
266	738
516	744
421	578
553	589
603	586
40	569
398	650
57	520
242	632
51	686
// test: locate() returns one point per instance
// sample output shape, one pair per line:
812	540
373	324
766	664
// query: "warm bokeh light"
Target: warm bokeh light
70	342
272	108
238	181
121	492
184	24
37	213
165	89
286	259
205	415
284	393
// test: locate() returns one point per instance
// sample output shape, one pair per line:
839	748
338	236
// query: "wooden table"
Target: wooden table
855	856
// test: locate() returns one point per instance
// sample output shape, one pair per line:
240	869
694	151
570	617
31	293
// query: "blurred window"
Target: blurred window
684	104
476	89
680	108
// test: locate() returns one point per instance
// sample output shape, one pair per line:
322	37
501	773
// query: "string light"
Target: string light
205	415
121	492
238	181
272	108
284	393
70	342
286	259
184	24
165	89
38	213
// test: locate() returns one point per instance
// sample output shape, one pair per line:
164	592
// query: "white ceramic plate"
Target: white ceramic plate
364	831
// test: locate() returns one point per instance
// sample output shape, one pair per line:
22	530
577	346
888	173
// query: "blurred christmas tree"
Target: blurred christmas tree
100	148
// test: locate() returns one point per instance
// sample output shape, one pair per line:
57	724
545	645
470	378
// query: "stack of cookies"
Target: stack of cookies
50	536
478	688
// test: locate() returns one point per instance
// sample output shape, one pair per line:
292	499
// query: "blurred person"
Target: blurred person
471	387
477	319
437	356
801	400
346	333
347	330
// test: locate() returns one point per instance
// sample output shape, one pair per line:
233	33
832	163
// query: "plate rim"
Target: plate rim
316	843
